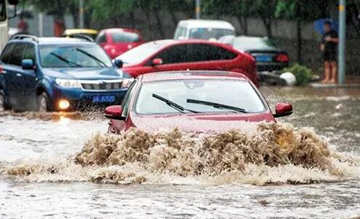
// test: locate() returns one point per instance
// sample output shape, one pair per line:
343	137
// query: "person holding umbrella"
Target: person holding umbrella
328	47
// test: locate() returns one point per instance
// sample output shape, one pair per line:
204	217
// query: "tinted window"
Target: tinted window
2	10
174	54
29	52
205	52
5	56
101	38
242	95
17	54
124	37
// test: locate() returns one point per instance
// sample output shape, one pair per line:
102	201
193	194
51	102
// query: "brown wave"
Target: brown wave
268	156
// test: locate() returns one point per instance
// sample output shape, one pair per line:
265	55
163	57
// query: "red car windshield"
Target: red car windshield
124	37
235	93
140	53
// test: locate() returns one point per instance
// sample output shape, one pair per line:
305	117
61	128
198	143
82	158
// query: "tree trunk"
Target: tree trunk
159	23
299	41
148	19
132	19
268	26
243	24
174	19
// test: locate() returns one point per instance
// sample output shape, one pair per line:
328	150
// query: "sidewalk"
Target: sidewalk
350	82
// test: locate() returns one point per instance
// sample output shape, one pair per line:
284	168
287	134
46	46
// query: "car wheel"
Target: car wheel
43	102
3	105
2	102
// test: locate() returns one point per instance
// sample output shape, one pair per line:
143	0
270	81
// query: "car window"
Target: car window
206	52
29	52
248	43
2	10
126	101
62	56
140	53
101	38
209	33
180	32
17	54
236	93
124	37
173	54
6	54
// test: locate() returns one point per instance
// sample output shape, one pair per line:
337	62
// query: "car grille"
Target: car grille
101	85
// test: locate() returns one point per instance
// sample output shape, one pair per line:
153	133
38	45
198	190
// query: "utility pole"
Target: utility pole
41	24
81	13
342	41
197	9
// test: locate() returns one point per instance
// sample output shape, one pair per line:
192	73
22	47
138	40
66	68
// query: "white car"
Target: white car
203	29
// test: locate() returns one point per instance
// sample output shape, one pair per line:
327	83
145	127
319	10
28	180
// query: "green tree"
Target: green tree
298	11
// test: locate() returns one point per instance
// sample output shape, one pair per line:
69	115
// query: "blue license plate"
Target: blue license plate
103	99
263	58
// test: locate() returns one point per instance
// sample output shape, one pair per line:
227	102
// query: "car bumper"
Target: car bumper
78	98
272	66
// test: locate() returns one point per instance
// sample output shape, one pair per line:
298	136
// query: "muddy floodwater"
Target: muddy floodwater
65	166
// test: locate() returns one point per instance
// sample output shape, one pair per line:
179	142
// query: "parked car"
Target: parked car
268	56
80	33
57	74
203	29
192	101
175	55
116	41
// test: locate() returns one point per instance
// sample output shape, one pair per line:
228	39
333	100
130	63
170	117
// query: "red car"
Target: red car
178	55
198	101
116	41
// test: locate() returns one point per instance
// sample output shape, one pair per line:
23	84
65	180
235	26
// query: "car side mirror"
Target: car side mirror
283	109
114	112
118	63
157	61
27	64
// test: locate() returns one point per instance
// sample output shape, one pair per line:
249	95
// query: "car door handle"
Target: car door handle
19	75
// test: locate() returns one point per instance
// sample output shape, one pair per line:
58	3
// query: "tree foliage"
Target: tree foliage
114	10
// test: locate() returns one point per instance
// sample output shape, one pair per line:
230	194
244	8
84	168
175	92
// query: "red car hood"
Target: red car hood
200	123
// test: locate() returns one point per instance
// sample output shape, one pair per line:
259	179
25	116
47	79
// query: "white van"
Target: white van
203	29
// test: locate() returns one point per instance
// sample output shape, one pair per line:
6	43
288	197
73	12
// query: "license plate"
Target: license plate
103	99
263	58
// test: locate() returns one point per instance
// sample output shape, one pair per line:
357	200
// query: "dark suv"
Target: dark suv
57	74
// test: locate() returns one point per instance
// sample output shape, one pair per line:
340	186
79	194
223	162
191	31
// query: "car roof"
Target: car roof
62	40
192	23
164	43
77	31
49	40
120	30
183	75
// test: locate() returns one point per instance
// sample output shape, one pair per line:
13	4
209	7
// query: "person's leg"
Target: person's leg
333	77
327	72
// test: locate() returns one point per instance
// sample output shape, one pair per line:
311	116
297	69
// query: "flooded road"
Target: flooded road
39	178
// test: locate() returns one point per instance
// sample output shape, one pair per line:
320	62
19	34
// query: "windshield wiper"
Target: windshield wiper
173	104
216	105
93	57
65	60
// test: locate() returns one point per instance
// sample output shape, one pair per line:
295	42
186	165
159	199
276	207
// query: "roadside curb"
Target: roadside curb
320	85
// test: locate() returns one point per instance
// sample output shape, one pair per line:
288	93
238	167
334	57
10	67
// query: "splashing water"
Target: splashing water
276	153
